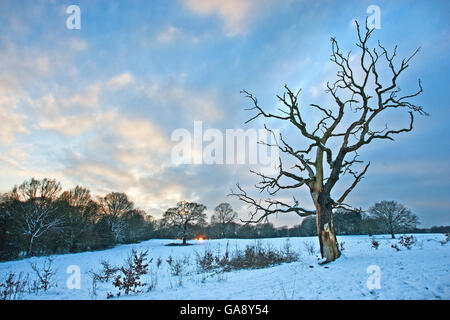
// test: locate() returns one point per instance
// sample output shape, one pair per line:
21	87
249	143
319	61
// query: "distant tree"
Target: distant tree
266	230
347	222
184	215
113	206
138	225
371	225
247	231
222	218
308	227
394	217
439	229
33	209
81	213
77	197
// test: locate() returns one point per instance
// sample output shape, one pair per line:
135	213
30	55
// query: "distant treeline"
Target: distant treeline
39	218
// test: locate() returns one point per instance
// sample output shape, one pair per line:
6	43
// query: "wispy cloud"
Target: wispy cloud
235	14
121	80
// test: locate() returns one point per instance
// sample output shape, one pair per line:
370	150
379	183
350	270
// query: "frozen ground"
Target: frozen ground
419	273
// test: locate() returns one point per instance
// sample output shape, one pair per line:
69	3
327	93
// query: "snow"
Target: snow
419	273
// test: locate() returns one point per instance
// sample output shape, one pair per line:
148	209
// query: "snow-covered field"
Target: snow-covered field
419	273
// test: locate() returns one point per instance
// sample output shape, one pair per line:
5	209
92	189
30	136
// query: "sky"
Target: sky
97	106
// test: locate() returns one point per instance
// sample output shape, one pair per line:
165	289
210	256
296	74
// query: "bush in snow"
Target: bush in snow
176	266
446	240
106	273
375	244
130	274
257	256
44	275
13	287
252	257
158	262
310	247
407	242
205	261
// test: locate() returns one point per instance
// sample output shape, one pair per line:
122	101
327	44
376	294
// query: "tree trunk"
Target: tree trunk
325	229
184	234
391	230
30	246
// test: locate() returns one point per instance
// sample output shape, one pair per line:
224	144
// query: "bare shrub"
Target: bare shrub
45	276
446	240
169	260
252	257
205	261
257	256
108	272
176	267
13	287
130	274
310	247
375	243
407	241
158	262
153	280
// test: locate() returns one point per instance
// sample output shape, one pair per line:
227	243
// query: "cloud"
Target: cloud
168	35
68	125
77	44
235	14
195	105
101	175
142	134
70	115
12	122
120	80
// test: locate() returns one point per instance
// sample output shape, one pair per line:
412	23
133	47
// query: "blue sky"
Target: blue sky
97	106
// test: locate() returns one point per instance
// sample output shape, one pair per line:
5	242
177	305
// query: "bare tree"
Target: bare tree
77	197
33	208
114	205
394	217
222	217
184	215
332	143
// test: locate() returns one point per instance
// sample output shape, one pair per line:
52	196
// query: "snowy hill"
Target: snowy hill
422	272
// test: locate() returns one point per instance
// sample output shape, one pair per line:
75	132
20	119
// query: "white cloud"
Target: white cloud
77	44
88	98
120	80
168	35
197	105
235	14
68	125
12	123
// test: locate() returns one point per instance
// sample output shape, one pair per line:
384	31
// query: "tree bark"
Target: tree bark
30	246
325	229
184	233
